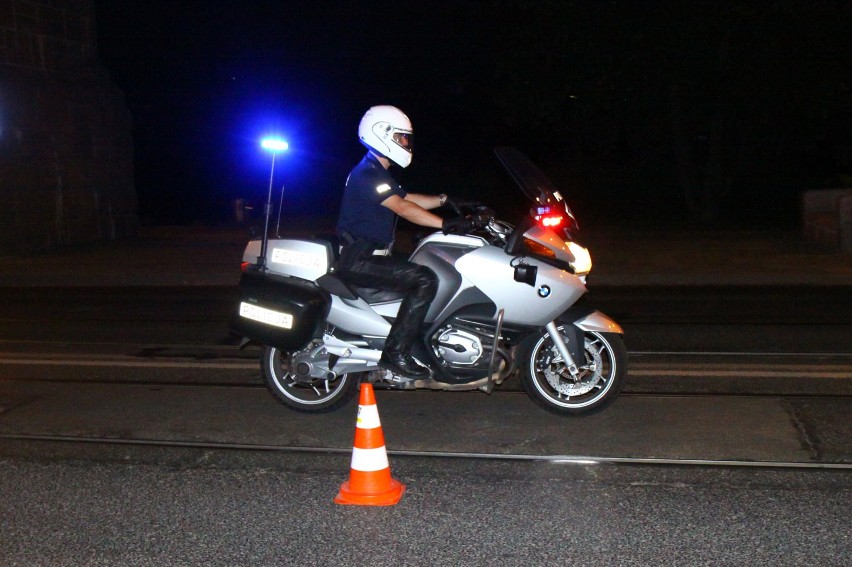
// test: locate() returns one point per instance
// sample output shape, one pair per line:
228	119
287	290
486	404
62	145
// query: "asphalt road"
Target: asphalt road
200	507
133	432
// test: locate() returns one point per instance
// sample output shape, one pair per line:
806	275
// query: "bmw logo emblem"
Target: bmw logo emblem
544	291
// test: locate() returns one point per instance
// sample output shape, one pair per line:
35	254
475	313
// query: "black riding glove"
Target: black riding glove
456	225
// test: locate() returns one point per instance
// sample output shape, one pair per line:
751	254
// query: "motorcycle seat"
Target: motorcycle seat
336	286
372	295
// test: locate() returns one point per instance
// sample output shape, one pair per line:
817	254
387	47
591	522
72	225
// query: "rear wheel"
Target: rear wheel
546	379
301	391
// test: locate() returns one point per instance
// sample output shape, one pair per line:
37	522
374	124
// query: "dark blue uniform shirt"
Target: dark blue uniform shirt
361	212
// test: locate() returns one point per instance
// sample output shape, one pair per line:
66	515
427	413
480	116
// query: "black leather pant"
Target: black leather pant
359	267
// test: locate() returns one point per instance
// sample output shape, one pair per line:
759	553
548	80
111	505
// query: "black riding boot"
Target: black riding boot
406	328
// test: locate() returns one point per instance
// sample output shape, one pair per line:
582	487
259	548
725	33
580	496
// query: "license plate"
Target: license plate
267	316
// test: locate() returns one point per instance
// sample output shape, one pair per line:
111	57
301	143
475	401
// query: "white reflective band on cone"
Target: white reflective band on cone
369	460
368	417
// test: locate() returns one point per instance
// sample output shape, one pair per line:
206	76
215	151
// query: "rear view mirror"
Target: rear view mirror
524	273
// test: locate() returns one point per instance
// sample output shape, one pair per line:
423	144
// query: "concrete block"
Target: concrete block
822	200
823	217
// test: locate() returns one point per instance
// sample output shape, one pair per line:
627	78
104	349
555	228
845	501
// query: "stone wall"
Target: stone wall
66	152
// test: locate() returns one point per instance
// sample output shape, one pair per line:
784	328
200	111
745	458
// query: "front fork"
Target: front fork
562	349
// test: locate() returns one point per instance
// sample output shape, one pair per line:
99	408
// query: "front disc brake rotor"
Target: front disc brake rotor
560	380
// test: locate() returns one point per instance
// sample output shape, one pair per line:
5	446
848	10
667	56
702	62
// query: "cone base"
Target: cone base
387	498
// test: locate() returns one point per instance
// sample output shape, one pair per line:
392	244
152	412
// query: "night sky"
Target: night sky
701	113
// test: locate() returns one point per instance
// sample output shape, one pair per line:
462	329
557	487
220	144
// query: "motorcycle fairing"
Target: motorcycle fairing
490	269
356	316
591	320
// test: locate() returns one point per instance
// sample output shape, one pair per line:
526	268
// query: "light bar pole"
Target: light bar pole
274	145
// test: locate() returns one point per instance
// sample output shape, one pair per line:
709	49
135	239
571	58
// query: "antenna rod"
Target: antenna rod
267	211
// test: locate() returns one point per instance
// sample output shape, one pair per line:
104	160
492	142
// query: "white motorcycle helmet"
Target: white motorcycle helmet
387	131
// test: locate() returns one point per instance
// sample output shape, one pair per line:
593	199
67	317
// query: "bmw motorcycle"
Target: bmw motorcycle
507	303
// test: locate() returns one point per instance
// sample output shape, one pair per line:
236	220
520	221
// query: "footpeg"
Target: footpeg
396	379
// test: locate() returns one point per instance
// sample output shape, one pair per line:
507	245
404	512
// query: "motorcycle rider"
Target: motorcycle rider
372	201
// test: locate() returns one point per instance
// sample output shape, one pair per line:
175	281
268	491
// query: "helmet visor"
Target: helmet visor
405	140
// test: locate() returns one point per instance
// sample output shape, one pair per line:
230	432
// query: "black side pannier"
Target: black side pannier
280	311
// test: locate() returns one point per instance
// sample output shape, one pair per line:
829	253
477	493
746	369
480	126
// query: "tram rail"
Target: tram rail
583	460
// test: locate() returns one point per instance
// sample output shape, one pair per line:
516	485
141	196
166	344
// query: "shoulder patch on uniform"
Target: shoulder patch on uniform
383	188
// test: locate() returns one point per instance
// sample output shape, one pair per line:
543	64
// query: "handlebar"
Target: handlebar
482	217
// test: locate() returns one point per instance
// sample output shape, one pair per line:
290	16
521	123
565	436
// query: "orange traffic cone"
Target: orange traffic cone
370	482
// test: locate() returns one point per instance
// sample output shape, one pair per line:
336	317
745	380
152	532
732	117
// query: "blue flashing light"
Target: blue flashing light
274	144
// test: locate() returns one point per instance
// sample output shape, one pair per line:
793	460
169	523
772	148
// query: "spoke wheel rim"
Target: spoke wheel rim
552	380
314	392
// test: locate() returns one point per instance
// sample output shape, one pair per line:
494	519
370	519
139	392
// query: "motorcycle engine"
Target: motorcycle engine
457	347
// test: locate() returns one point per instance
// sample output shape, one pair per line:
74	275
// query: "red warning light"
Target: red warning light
551	221
548	217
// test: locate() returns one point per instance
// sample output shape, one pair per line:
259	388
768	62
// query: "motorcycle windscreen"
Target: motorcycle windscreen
280	311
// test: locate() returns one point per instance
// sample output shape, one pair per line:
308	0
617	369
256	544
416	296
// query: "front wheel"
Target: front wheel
546	379
302	392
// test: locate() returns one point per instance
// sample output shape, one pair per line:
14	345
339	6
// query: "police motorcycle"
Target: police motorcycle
507	302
